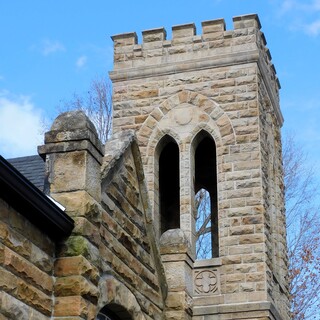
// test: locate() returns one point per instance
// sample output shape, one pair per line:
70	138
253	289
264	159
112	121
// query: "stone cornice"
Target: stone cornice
215	61
185	66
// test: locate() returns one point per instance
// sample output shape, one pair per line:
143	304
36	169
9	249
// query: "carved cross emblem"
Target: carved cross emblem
205	282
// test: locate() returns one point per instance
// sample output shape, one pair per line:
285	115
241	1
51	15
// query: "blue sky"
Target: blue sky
51	49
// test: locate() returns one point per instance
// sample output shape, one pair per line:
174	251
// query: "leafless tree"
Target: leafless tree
96	103
303	225
203	224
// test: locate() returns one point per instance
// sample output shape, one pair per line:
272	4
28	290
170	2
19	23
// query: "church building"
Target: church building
180	215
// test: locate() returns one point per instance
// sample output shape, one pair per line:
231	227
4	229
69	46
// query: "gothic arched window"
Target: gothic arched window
205	187
169	184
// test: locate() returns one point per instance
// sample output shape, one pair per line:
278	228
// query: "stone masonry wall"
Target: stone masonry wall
211	82
109	259
273	195
26	268
127	249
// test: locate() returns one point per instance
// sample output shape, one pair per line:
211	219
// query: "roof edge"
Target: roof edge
32	203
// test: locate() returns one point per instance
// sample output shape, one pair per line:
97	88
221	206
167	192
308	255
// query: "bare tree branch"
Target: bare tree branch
96	104
303	225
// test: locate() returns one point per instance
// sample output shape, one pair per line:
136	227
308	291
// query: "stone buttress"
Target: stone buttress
110	264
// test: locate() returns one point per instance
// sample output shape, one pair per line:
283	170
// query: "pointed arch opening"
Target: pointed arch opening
169	184
113	312
206	202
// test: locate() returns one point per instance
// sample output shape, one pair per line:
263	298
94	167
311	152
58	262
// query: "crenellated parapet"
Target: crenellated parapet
214	39
188	51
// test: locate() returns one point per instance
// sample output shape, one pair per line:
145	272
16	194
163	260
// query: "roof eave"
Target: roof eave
32	203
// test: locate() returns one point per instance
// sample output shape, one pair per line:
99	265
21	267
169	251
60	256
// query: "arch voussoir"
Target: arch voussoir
113	291
208	106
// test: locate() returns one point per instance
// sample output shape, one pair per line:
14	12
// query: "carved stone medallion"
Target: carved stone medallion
206	282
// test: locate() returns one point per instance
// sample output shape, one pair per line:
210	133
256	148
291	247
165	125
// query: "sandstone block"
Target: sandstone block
231	260
261	286
252	258
179	276
247	287
71	306
176	301
75	286
246	165
78	245
245	268
235	278
213	26
248	184
244	249
246	21
252	220
77	265
34	297
41	259
239	193
8	281
232	288
240	230
83	227
23	233
123	121
251	238
177	315
237	297
230	241
27	271
147	93
185	30
79	203
16	242
12	308
125	39
154	35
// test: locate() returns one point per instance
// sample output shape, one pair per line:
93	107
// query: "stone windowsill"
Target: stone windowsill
214	262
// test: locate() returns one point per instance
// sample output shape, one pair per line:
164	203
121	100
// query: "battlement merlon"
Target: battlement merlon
188	51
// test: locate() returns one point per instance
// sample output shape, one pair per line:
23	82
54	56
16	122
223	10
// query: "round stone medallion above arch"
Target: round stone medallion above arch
182	116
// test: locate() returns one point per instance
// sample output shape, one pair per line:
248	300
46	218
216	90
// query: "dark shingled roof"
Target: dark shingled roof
18	192
32	167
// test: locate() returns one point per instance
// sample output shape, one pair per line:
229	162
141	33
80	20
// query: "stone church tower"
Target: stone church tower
205	110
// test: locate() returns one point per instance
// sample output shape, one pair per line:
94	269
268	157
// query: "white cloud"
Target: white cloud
20	126
287	5
313	29
300	15
51	46
81	61
300	5
316	5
